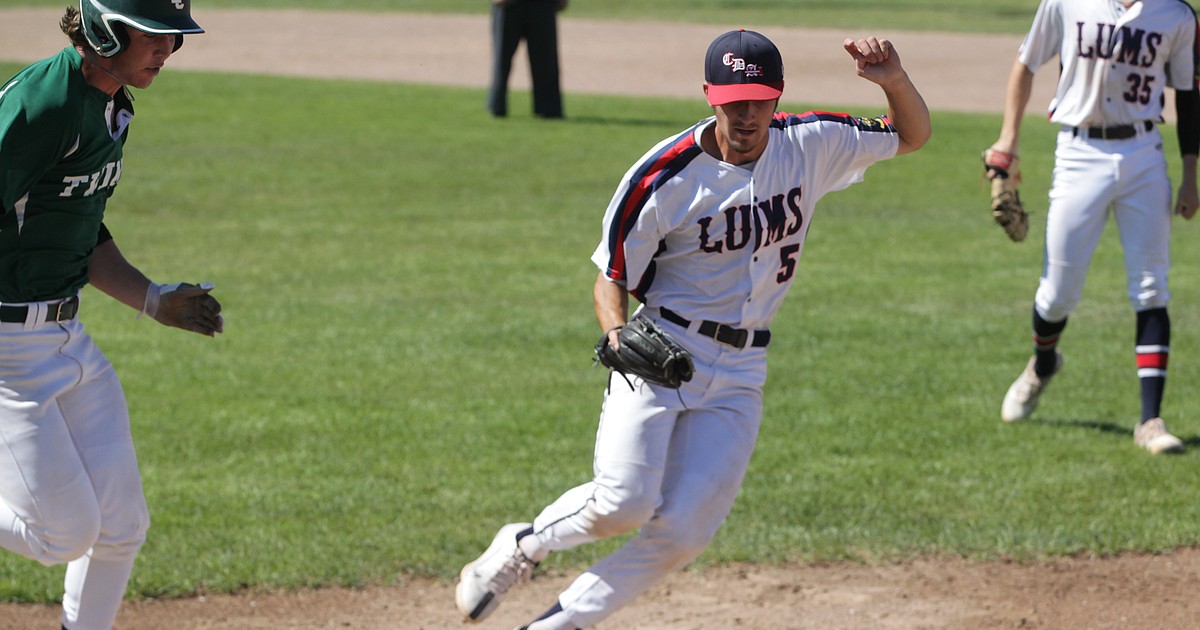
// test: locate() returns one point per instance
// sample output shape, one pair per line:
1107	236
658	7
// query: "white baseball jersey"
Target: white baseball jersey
1115	60
714	241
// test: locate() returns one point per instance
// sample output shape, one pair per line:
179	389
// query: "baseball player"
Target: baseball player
1116	59
70	490
706	231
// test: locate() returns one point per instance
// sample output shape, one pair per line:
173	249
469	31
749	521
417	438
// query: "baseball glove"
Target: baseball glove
1007	209
646	351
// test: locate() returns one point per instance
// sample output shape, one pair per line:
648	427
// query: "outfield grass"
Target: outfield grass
407	363
936	15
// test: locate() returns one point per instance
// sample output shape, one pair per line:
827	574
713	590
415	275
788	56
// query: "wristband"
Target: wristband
154	294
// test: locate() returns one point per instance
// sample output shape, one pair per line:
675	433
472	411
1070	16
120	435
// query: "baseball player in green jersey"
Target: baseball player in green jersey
70	490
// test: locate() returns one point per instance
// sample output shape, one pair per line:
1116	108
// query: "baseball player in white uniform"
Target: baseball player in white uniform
706	231
70	490
1116	58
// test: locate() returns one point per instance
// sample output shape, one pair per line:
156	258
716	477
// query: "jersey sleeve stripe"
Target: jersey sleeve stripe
655	169
783	120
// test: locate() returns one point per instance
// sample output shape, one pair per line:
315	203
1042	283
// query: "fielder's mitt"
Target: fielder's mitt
1007	209
646	351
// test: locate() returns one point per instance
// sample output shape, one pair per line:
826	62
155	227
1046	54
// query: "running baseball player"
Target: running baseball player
70	490
1116	59
706	231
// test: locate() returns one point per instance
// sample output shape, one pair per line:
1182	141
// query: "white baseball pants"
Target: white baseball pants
667	462
1090	177
70	490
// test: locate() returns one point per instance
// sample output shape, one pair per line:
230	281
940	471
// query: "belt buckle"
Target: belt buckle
55	312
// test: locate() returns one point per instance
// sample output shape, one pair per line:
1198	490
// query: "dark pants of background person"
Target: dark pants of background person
535	22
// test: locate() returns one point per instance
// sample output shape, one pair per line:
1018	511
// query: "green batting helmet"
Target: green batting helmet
104	22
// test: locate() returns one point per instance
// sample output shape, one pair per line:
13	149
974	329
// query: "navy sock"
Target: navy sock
1153	345
553	610
1045	343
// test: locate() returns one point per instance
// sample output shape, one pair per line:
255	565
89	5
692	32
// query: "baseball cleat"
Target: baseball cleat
484	582
1152	435
1022	396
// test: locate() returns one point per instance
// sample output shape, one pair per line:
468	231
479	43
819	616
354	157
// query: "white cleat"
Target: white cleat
1022	396
484	582
1152	435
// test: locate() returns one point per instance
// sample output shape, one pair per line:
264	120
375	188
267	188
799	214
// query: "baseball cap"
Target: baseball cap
743	65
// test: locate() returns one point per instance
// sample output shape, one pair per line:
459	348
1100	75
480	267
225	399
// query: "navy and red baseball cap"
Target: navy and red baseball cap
743	65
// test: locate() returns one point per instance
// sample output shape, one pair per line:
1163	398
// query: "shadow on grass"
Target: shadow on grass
1095	425
1190	442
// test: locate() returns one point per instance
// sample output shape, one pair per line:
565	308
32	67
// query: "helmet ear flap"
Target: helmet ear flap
108	38
122	34
178	42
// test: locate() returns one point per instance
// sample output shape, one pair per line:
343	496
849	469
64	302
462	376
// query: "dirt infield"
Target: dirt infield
955	72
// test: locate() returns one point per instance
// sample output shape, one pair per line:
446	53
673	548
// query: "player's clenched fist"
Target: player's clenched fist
876	59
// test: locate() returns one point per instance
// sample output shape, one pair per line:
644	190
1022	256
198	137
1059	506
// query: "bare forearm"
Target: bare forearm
909	115
1187	201
1189	169
109	272
1016	99
611	301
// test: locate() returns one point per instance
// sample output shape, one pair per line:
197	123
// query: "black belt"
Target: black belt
1119	132
736	337
57	312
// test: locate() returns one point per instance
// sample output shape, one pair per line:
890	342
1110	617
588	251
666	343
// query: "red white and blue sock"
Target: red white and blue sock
1153	346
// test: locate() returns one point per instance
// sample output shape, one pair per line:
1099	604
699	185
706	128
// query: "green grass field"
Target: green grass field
407	362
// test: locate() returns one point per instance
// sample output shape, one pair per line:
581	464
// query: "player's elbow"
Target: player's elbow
912	138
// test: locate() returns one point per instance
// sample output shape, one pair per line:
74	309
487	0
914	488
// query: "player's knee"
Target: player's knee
123	536
1148	291
687	546
676	544
65	540
615	512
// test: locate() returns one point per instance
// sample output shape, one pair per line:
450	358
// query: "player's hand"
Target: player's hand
614	337
1188	201
190	307
1001	160
876	59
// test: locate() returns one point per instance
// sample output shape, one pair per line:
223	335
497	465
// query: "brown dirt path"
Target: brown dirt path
955	72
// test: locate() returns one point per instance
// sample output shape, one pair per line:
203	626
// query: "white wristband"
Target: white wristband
154	294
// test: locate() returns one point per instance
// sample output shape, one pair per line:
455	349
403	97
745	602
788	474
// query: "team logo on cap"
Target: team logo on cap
737	64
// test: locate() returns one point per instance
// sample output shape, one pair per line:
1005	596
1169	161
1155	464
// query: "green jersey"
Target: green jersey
61	143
